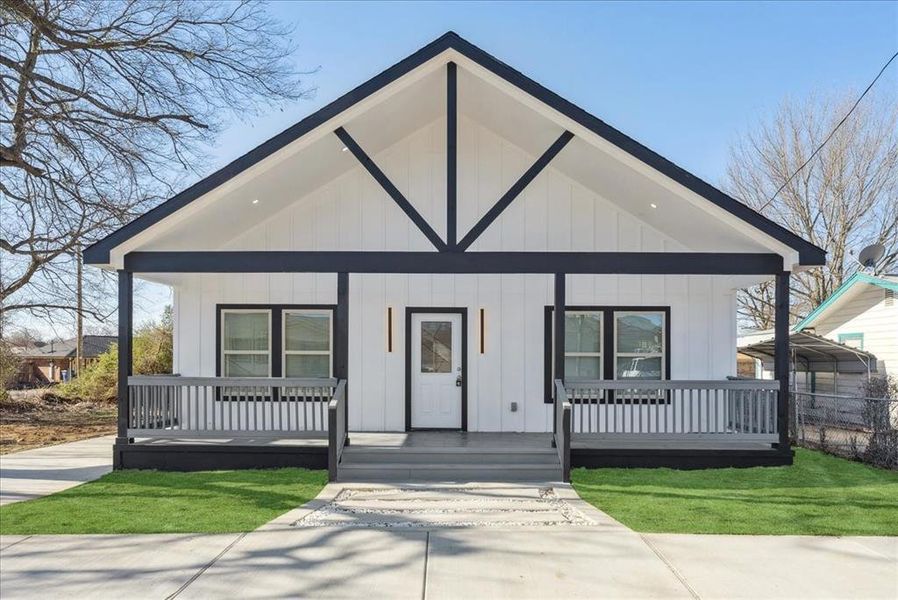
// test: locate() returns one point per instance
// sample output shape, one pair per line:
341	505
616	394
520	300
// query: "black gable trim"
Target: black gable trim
809	254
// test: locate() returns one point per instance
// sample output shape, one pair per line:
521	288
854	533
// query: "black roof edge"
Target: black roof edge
809	254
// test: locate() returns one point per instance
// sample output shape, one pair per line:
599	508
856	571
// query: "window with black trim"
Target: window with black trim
610	342
639	345
275	340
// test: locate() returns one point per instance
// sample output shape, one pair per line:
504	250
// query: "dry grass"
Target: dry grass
35	418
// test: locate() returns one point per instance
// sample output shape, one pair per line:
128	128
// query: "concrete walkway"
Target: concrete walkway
439	542
42	471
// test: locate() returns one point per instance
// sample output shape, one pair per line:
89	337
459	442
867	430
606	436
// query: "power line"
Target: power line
831	133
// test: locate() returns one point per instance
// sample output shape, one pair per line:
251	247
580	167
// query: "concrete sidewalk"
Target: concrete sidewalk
308	553
42	471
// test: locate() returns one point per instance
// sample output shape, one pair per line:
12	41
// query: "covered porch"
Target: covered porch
454	188
188	423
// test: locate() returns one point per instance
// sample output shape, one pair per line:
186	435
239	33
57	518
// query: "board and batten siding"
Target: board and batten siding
554	213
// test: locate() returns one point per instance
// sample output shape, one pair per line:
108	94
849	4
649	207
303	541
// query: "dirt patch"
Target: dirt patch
34	418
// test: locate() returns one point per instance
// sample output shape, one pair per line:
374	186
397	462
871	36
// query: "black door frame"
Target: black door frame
409	311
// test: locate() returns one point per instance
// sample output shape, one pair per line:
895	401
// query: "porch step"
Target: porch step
357	455
445	471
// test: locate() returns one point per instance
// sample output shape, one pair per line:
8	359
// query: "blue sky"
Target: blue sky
683	78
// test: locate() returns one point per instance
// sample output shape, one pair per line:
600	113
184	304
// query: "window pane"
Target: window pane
245	331
637	367
308	365
246	365
436	347
582	332
642	333
309	331
583	367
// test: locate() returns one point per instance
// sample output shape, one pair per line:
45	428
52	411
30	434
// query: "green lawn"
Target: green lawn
819	494
159	502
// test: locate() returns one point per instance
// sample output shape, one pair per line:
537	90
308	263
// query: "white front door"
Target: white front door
436	370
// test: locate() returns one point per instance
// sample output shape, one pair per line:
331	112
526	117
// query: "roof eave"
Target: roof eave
809	254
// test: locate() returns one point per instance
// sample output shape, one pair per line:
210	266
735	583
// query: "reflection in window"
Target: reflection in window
639	345
436	346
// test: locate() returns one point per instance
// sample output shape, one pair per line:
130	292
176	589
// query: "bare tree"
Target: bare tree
844	199
106	107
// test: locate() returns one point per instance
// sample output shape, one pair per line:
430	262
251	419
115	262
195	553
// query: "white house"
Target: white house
850	337
417	250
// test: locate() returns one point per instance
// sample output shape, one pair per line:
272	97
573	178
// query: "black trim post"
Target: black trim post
125	332
341	364
781	354
559	328
451	155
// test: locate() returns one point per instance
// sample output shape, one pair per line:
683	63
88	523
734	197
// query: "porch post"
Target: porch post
558	329
341	360
781	354
125	332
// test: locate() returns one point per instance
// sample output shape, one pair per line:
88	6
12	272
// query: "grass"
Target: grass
818	495
160	502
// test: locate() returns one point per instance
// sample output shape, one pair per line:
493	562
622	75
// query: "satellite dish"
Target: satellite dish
871	255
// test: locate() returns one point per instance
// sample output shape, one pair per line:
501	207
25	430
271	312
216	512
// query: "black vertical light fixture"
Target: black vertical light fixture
483	331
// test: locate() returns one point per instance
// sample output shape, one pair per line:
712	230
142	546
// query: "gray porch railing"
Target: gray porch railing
563	429
733	409
336	429
172	406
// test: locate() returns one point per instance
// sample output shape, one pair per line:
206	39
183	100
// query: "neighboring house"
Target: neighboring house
862	314
52	362
851	336
432	251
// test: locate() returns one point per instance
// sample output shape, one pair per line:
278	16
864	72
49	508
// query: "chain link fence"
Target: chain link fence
855	427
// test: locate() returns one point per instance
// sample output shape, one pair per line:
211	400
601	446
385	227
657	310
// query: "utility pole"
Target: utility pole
79	340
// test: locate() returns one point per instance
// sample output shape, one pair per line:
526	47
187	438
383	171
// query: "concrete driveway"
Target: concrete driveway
469	541
42	471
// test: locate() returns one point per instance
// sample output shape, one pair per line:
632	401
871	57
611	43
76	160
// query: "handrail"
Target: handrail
177	380
162	406
744	410
669	384
563	429
336	429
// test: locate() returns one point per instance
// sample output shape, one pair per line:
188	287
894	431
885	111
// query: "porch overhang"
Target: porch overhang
599	155
635	263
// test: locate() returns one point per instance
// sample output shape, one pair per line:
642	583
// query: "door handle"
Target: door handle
458	381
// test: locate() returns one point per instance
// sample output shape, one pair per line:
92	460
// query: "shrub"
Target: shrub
152	354
880	408
9	367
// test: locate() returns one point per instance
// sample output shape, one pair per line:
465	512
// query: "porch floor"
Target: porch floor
447	440
425	451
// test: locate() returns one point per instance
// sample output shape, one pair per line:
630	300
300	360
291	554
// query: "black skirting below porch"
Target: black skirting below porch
199	454
220	455
698	456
